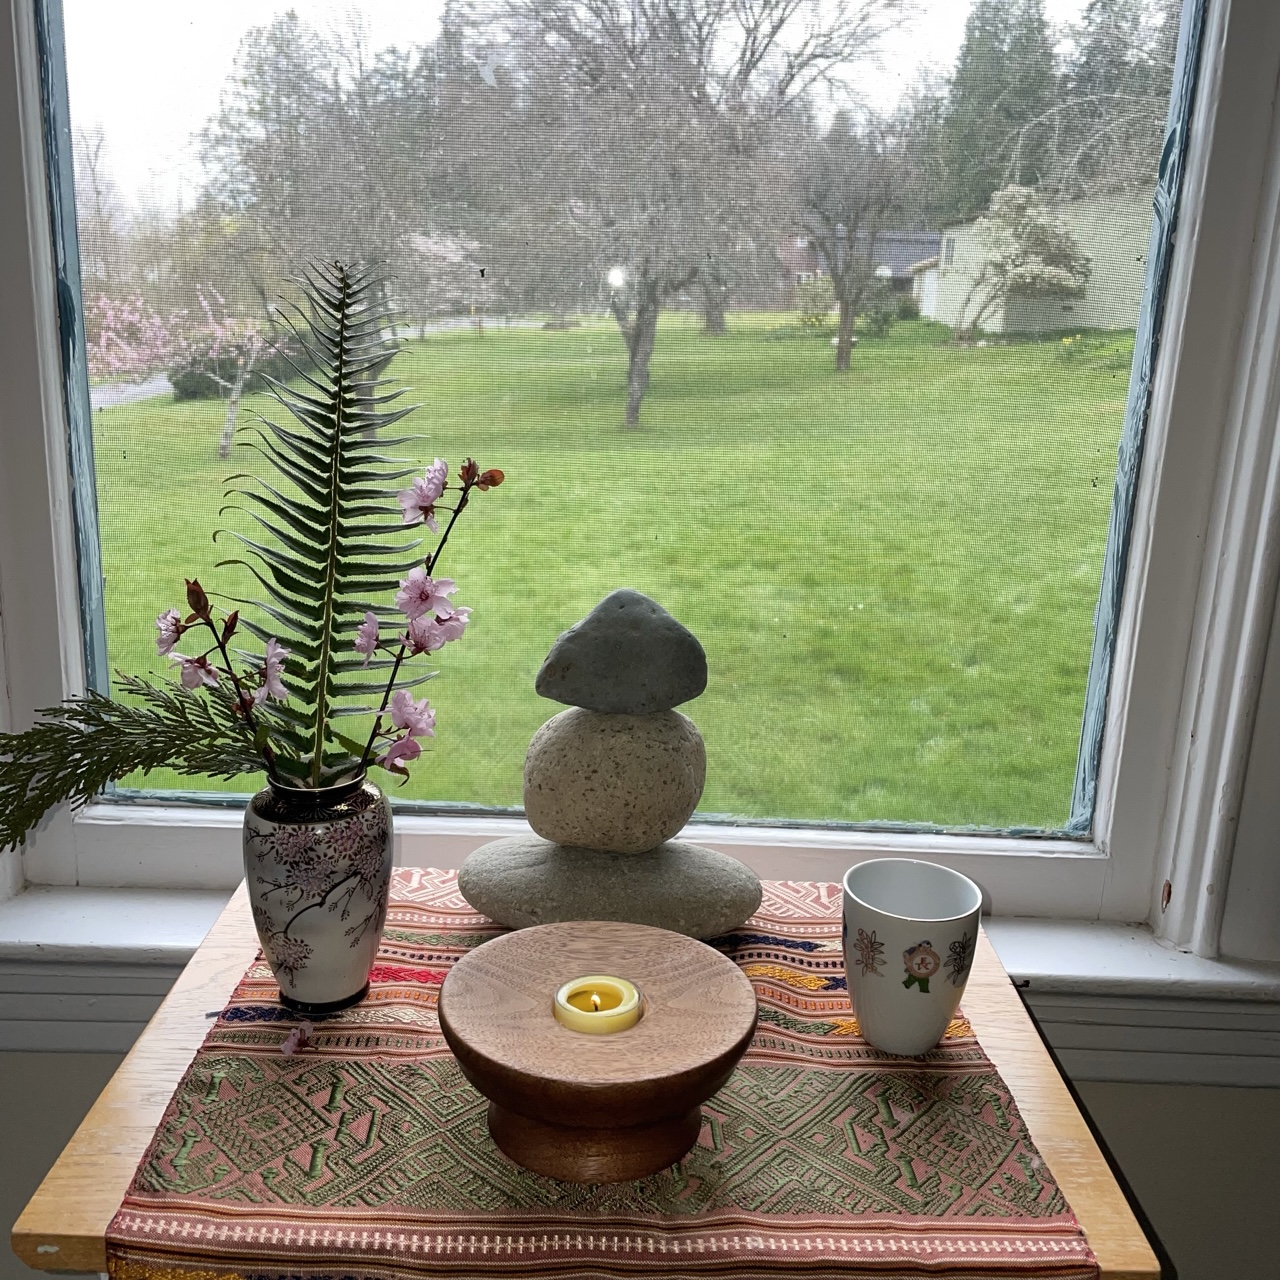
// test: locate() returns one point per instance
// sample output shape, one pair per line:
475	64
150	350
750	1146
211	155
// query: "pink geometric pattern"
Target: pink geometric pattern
367	1154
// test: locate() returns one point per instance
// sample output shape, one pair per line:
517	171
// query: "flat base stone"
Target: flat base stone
525	880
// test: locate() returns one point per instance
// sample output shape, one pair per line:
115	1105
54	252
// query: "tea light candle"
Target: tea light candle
597	1005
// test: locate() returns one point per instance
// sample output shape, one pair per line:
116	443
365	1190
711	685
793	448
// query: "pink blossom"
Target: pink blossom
419	502
451	624
367	636
423	635
427	634
298	1038
421	594
416	718
169	625
401	749
272	685
195	671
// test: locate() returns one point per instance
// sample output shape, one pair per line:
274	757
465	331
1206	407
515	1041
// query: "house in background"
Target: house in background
894	254
1113	230
924	286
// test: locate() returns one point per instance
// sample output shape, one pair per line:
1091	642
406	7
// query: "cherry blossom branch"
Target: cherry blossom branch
382	709
422	499
199	603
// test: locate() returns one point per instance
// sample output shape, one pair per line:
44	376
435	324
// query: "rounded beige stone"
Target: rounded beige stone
620	783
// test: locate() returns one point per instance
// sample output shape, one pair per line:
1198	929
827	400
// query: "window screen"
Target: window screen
814	322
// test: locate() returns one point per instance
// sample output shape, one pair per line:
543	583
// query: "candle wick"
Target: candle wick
595	1002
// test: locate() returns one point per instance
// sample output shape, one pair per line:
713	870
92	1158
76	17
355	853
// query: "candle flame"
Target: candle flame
595	1002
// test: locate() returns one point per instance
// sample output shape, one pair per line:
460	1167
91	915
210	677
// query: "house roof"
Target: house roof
901	250
923	265
897	250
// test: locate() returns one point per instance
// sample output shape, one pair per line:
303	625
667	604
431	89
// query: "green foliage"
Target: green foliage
880	310
814	301
998	125
906	308
210	374
330	518
80	746
1115	94
1097	352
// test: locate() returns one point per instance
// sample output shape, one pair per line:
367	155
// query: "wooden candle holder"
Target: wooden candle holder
596	1108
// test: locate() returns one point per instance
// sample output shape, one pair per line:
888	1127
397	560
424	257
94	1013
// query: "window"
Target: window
949	253
917	707
1083	872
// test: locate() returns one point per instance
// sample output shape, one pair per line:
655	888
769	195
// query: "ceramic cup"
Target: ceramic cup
910	929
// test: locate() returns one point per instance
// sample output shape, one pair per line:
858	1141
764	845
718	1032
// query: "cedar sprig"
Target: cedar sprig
77	748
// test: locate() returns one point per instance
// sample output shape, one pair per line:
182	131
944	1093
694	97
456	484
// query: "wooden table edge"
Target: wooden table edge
95	1168
1059	1131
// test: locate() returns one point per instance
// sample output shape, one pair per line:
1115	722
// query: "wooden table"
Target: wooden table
63	1227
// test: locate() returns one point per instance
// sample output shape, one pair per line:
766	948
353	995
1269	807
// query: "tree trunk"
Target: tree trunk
714	294
844	335
644	329
233	409
243	370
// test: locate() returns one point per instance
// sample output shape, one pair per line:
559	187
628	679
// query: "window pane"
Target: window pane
822	343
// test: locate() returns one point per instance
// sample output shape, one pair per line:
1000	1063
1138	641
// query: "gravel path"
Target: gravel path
109	394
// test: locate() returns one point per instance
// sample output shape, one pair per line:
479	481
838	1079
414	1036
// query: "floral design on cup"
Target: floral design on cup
960	959
921	963
870	953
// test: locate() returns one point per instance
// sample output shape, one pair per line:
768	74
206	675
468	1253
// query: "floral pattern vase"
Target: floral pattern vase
318	866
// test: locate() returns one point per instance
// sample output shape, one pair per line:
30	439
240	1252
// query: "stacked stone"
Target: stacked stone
608	782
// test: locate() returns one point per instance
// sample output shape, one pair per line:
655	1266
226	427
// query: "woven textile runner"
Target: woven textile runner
366	1154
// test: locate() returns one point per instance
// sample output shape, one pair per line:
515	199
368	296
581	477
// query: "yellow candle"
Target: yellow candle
597	1005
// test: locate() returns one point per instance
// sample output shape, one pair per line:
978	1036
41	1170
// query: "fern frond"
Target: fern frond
324	525
83	744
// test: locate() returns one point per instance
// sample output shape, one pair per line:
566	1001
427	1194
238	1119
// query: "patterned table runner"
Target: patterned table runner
365	1153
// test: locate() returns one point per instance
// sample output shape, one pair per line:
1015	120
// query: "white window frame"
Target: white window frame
1198	602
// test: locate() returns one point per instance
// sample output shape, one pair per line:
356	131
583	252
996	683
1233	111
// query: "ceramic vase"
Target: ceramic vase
318	866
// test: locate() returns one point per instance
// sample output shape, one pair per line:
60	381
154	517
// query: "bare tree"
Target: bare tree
854	182
320	148
654	121
1104	130
101	221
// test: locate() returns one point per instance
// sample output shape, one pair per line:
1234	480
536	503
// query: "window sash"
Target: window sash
1111	875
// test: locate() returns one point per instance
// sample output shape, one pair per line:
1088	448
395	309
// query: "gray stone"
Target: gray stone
627	655
525	880
614	782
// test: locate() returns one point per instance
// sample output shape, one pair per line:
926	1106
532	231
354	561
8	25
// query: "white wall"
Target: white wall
1251	924
1202	1163
43	1097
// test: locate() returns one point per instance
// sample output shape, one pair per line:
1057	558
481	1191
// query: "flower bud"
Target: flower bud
197	601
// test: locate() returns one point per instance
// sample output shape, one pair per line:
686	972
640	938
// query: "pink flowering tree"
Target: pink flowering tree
214	352
204	349
126	339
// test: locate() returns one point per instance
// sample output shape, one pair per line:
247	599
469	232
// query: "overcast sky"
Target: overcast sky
149	72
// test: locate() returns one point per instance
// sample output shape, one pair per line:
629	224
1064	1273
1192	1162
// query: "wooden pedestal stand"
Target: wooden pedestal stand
596	1108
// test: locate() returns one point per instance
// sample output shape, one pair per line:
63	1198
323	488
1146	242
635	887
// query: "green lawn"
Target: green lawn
893	572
